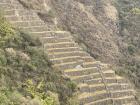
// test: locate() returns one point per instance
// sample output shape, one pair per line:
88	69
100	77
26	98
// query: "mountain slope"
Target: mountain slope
107	29
57	44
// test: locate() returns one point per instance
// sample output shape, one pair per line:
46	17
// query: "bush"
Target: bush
3	59
135	10
131	49
8	97
71	85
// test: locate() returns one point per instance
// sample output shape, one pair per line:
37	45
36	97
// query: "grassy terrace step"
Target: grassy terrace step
93	88
123	100
65	59
83	88
55	49
21	11
119	86
88	59
21	23
60	45
36	28
131	103
14	5
121	80
92	64
66	49
56	40
97	87
91	97
85	71
50	39
4	1
101	86
9	13
101	97
36	22
12	12
12	18
50	34
9	1
22	18
81	79
107	80
106	101
24	22
6	6
84	56
81	71
122	93
91	76
66	54
68	65
98	64
59	34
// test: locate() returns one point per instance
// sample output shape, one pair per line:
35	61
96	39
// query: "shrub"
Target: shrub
8	97
51	14
5	28
135	10
3	59
131	49
46	98
72	85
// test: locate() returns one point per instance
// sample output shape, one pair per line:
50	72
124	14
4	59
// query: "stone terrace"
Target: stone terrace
98	84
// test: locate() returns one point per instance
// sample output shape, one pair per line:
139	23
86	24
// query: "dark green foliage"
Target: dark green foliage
131	49
71	85
9	97
22	59
3	59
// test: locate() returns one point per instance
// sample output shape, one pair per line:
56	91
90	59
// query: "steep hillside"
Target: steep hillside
103	28
26	76
129	40
107	29
129	37
93	23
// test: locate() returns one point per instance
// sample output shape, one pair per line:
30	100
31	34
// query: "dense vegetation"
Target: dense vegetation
129	28
129	15
26	77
